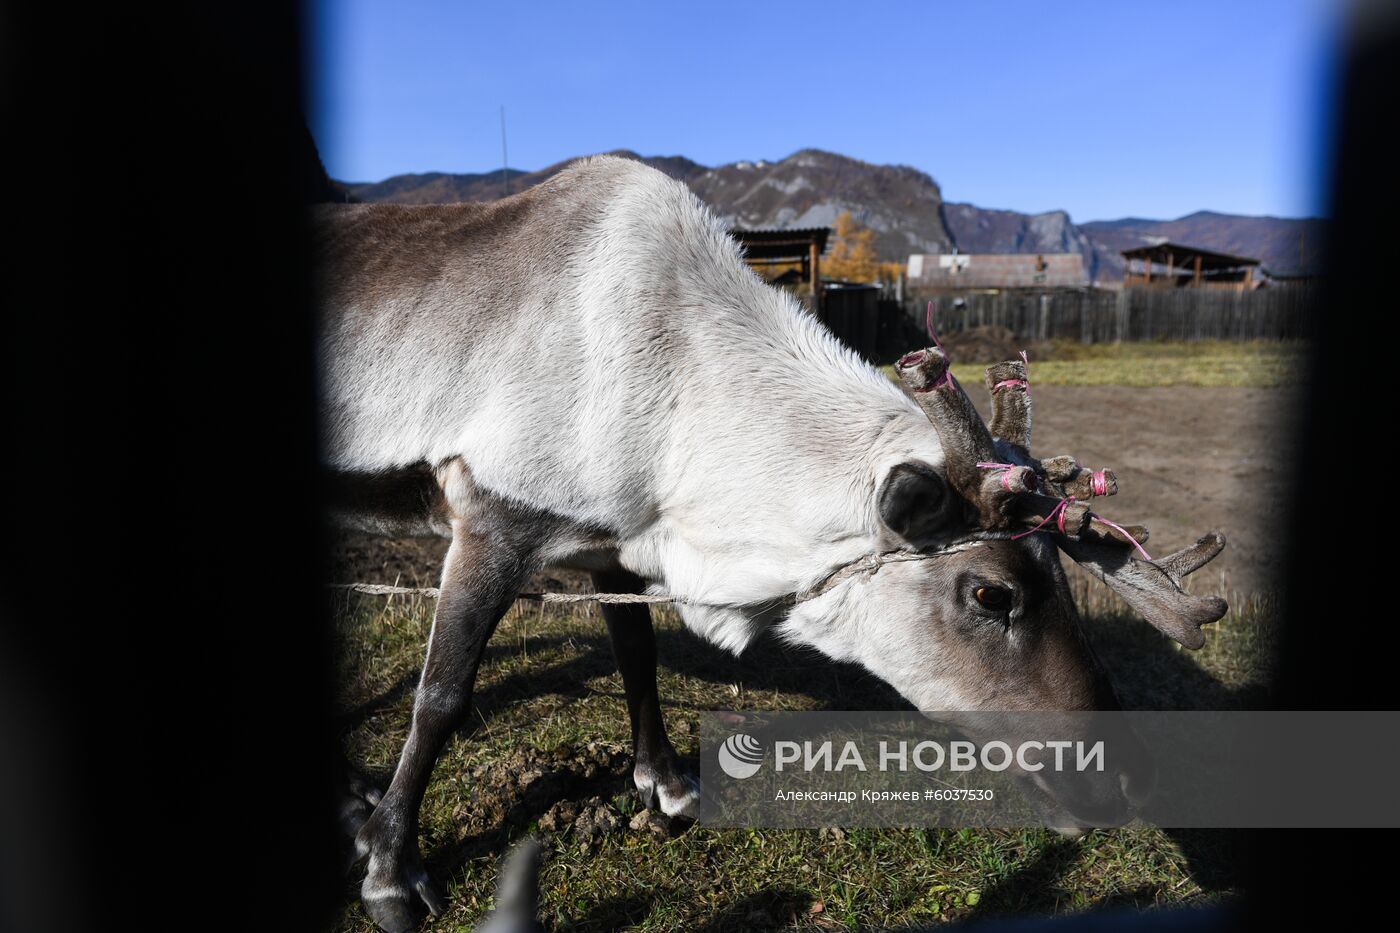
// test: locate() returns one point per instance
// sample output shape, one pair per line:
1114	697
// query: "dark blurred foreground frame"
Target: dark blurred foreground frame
166	754
1341	645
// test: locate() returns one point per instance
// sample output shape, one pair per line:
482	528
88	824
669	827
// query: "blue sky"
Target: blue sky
1104	109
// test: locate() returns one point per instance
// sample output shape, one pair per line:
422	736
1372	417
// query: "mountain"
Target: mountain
444	188
807	189
1284	245
810	188
981	230
904	207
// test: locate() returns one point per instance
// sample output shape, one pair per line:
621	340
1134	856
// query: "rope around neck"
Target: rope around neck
867	564
432	592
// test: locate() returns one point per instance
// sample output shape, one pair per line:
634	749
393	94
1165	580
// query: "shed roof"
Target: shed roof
780	244
1181	255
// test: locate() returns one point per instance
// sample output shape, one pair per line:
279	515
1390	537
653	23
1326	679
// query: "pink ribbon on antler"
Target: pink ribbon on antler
1023	383
928	323
1122	531
947	378
1005	469
1099	480
1057	513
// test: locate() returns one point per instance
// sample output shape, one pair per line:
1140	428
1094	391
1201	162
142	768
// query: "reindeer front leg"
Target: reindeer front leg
483	572
662	781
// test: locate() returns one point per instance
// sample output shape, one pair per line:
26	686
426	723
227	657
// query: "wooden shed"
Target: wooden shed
1172	265
803	247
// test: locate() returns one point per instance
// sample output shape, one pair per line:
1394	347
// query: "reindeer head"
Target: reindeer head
993	472
971	610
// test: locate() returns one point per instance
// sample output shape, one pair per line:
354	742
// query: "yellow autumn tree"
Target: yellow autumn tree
851	257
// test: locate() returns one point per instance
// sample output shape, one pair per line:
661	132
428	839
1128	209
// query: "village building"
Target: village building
949	272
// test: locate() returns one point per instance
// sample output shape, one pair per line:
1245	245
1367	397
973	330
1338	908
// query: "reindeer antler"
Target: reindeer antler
1010	386
1066	474
1153	588
966	441
995	472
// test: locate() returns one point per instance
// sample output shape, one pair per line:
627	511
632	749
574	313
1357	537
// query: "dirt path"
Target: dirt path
1188	460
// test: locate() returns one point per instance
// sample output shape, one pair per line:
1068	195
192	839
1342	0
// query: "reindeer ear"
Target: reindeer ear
914	502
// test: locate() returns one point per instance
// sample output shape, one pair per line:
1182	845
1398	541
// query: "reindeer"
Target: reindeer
587	375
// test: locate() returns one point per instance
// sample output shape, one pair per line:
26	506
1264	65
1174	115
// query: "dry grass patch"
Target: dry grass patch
1211	363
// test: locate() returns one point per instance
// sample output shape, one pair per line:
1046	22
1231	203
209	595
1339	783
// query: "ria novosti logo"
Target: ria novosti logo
741	756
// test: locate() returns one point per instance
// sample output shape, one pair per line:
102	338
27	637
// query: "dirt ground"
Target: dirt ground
1189	460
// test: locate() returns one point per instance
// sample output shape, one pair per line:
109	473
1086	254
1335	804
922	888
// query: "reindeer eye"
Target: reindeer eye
995	598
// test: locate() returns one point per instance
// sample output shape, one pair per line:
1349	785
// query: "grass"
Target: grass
1211	363
550	735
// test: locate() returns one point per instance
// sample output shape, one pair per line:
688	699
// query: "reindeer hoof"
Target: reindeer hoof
396	888
682	799
392	916
395	898
675	792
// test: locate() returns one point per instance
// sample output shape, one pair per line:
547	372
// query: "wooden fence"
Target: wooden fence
1100	315
881	328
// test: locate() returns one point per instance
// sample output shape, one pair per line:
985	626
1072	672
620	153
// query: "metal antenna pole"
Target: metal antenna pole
505	176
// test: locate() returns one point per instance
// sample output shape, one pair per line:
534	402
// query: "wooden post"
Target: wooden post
1147	268
814	262
1171	268
1197	280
